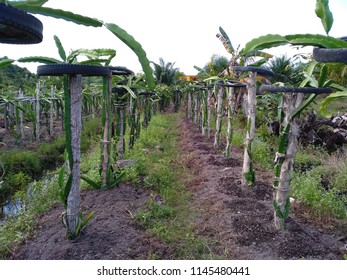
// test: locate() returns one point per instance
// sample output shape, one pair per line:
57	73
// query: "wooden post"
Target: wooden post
73	200
247	170
230	107
219	116
51	112
291	101
106	142
37	130
20	127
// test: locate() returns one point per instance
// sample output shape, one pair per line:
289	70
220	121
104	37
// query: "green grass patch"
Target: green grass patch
307	187
167	214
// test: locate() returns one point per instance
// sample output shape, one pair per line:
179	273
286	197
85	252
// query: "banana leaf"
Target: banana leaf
226	41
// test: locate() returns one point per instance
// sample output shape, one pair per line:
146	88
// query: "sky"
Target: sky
180	31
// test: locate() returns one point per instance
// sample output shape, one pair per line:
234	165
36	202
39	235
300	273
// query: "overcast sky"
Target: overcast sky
180	31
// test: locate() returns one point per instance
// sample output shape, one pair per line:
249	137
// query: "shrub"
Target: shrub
51	154
26	162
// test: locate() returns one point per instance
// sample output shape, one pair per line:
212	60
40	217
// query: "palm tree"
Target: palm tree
165	73
285	70
216	65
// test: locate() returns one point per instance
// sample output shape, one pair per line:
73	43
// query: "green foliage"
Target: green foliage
225	40
324	13
14	182
308	158
59	14
21	161
336	96
307	188
136	48
43	194
165	73
82	223
13	75
166	213
263	153
285	70
216	65
51	154
152	211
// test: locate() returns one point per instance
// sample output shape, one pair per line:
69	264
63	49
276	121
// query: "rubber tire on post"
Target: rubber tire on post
19	27
118	70
119	90
268	88
260	71
72	69
228	84
331	55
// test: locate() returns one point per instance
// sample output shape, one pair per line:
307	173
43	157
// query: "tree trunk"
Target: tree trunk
247	170
291	101
230	118
219	116
73	200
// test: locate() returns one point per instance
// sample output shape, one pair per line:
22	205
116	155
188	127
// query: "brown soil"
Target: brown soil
238	218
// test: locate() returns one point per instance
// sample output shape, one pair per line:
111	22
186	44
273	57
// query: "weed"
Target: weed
307	188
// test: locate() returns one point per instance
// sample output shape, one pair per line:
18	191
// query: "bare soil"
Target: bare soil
239	219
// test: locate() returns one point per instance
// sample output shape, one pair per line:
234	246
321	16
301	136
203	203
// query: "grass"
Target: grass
37	196
319	180
167	213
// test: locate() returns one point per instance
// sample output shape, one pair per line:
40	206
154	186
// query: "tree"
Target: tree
165	73
285	70
216	65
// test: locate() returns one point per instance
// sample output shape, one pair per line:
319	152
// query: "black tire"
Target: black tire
268	88
118	70
147	93
260	71
19	27
330	55
72	69
227	83
119	90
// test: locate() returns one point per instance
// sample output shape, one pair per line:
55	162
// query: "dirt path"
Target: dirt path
112	234
238	218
